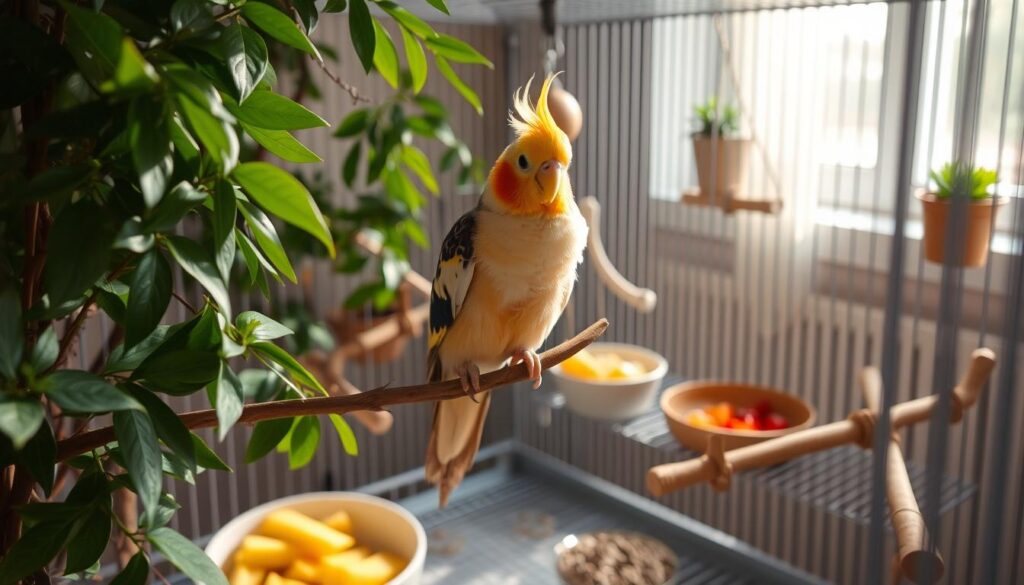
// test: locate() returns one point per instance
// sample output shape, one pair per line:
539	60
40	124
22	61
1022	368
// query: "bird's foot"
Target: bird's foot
533	365
469	376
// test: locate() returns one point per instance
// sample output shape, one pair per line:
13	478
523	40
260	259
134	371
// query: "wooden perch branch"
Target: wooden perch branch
857	429
916	548
641	299
376	399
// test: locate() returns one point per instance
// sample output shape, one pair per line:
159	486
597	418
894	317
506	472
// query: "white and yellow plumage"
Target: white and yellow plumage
505	272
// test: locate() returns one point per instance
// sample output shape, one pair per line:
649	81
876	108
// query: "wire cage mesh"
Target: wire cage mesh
850	105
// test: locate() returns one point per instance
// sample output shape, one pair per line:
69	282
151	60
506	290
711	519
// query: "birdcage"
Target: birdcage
787	238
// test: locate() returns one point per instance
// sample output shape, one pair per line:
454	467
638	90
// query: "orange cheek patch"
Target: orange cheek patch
505	184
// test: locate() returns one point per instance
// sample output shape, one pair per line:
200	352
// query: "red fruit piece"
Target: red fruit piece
774	422
739	424
763	409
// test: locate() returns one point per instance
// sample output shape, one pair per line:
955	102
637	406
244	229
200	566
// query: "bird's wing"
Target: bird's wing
451	282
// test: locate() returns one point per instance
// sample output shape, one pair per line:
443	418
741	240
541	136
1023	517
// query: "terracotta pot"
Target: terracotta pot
721	165
976	234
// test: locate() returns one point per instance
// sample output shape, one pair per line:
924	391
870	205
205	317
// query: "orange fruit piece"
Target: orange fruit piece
700	419
721	413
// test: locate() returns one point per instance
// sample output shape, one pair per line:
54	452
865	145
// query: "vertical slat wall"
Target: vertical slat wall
218	497
794	300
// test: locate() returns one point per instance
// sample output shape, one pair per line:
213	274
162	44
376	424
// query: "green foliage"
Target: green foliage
963	180
715	121
128	181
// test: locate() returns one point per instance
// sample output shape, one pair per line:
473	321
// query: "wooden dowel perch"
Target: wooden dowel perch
641	299
731	204
857	429
376	399
915	548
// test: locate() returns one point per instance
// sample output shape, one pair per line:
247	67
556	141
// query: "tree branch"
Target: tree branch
375	399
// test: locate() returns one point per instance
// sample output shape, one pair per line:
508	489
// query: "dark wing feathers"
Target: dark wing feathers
451	282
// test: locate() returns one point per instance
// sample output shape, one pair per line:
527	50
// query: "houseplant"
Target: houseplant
954	180
121	128
722	158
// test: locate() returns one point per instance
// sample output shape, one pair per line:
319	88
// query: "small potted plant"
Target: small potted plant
960	180
721	156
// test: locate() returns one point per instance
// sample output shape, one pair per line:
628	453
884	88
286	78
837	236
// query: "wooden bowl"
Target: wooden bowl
680	399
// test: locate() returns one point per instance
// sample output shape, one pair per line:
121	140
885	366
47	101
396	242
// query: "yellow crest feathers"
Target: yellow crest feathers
525	119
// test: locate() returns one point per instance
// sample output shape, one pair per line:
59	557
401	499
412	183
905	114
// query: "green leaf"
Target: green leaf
184	144
416	59
348	438
364	39
217	136
89	543
133	74
179	372
283	195
363	294
189	558
247	58
307	12
351	164
149	295
228	399
224	216
168	425
19	419
260	327
335	5
78	391
39	455
190	15
265	436
282	358
150	139
282	144
36	547
94	41
137	439
55	184
407	20
267	239
453	49
174	206
136	572
440	5
355	122
44	352
273	111
276	24
75	260
260	385
196	262
253	259
207	457
123	359
11	341
305	438
467	93
418	163
385	57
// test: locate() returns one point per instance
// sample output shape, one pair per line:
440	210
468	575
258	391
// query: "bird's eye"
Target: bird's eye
523	163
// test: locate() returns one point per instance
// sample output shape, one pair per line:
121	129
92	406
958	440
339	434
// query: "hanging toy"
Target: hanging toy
562	104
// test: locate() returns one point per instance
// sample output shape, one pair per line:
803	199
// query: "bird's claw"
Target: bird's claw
469	376
533	364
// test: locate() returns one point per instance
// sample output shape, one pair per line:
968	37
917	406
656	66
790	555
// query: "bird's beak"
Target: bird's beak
549	179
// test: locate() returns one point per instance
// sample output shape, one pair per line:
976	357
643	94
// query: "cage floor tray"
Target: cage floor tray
503	524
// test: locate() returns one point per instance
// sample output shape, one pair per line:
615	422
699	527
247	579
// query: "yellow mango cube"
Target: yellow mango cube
275	579
583	365
242	574
334	569
303	570
376	569
311	537
340	521
261	552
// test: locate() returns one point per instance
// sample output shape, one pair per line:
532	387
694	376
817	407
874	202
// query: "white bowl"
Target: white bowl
614	399
376	523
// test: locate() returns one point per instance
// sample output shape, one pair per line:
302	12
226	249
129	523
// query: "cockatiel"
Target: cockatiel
505	273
